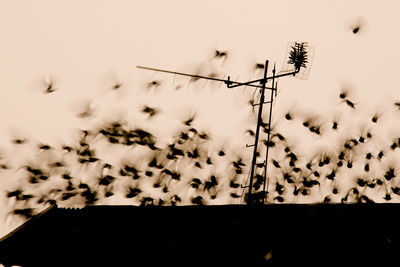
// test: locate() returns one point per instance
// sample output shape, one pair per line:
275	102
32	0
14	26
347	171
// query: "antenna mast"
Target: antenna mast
298	57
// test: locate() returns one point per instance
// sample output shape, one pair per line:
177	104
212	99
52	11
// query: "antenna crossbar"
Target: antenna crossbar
228	82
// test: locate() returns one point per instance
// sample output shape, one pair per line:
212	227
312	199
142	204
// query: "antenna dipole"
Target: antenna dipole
298	58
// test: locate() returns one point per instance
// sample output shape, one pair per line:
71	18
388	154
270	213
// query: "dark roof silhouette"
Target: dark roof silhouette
231	235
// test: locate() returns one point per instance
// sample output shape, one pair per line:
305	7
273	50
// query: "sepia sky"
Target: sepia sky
85	46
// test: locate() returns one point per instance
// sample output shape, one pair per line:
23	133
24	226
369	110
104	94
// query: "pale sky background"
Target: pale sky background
86	45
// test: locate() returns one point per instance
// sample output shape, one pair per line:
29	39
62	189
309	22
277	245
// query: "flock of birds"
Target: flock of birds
193	169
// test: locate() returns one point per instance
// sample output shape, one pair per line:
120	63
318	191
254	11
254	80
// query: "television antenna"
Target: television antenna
297	63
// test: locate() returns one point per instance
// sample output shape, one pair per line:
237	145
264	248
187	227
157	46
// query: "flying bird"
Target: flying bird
350	104
288	116
259	66
358	26
150	111
189	121
198	200
220	53
19	141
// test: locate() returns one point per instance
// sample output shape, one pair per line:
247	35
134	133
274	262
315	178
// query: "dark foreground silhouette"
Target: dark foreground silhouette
232	235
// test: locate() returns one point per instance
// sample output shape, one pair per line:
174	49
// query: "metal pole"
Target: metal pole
259	119
269	132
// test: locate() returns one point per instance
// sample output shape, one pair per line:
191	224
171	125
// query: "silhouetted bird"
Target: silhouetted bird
19	141
234	195
309	165
220	53
259	66
146	201
269	144
66	176
232	184
33	170
204	136
44	147
175	199
193	154
288	116
89	196
304	191
389	174
280	137
280	189
349	164
350	104
150	111
361	182
33	180
108	193
279	199
117	86
387	197
189	121
210	183
67	195
238	164
106	180
396	190
366	167
152	164
67	148
276	164
133	192
380	155
83	185
327	199
335	125
197	200
26	196
209	162
16	193
250	132
367	199
49	86
292	156
296	169
27	212
153	83
393	146
356	29
195	183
